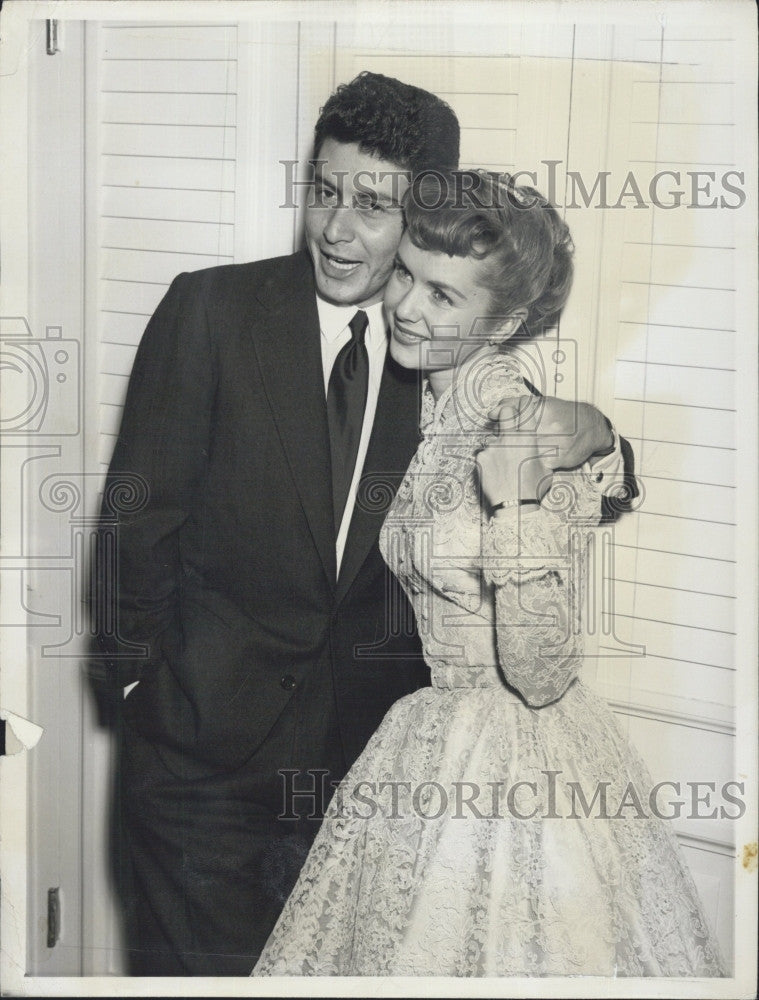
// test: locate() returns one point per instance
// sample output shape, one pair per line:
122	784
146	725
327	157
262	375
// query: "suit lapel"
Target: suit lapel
287	345
394	440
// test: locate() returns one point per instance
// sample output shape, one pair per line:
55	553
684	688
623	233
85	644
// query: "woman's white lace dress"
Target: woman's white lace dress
458	844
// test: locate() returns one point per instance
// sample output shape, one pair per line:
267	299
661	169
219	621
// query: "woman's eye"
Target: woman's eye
401	271
441	297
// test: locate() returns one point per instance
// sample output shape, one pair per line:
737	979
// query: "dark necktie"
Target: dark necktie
346	401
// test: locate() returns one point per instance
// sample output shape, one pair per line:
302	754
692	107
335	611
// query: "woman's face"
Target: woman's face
437	308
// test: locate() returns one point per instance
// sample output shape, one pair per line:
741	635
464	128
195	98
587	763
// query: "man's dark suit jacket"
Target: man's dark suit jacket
227	573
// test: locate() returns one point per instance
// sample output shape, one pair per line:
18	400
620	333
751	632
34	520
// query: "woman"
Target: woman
489	828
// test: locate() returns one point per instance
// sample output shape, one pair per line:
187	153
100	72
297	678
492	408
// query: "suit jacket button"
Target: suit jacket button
288	682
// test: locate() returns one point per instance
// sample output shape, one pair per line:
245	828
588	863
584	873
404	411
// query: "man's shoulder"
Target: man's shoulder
258	275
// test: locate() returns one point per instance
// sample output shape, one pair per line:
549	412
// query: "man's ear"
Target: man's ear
508	327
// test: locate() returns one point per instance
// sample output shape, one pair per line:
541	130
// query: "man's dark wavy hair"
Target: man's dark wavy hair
406	125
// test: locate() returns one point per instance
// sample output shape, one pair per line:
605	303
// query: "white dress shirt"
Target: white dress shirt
335	332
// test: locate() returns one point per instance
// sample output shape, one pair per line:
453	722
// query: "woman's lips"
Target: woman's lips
404	336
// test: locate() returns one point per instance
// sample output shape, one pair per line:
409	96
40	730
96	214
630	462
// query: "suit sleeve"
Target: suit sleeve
616	480
613	474
157	468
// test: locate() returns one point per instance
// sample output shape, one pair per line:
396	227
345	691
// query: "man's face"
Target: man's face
354	222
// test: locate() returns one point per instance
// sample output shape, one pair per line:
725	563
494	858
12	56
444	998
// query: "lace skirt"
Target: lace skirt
478	837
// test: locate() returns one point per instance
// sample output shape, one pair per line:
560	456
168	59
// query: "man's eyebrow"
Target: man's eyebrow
319	178
386	199
378	197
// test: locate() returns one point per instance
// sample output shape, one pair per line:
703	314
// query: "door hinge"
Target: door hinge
53	917
51	36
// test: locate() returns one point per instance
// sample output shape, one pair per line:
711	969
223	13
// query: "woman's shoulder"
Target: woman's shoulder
504	376
489	381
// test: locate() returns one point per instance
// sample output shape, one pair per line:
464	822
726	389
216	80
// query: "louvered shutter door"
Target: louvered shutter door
166	149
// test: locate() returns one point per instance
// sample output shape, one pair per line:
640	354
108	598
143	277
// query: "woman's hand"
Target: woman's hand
510	465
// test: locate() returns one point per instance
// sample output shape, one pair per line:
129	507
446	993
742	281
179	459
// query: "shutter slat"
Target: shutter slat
500	109
700	611
689	387
699	266
670	303
169	172
686	425
676	534
139	265
122	328
673	676
486	146
143	41
697	645
186	76
148	203
684	143
460	75
715	466
663	568
169	140
662	345
174	236
715	504
132	297
170	109
115	359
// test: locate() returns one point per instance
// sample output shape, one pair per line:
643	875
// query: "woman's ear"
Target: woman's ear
508	327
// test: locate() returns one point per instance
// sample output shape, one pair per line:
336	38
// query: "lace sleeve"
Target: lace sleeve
536	563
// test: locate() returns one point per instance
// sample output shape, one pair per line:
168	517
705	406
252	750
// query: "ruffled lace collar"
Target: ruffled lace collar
473	381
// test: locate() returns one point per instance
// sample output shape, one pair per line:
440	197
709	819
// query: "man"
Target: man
251	595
